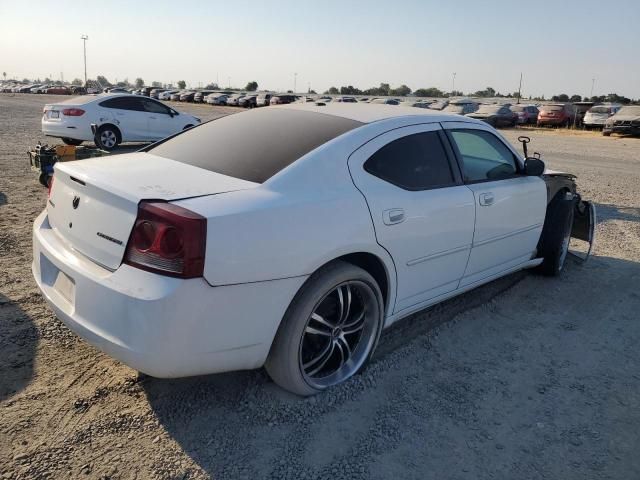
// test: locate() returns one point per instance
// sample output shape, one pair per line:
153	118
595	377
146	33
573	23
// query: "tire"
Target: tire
108	137
606	134
43	178
553	246
71	141
309	350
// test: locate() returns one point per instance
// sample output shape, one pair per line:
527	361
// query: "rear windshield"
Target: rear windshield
518	108
629	111
552	108
454	108
254	145
85	99
600	109
489	108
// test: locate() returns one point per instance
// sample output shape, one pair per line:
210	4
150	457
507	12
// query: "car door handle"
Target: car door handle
393	216
486	199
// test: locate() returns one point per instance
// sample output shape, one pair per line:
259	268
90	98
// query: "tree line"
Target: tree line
181	84
403	90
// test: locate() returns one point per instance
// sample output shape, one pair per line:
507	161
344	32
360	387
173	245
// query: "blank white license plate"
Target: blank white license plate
65	286
54	114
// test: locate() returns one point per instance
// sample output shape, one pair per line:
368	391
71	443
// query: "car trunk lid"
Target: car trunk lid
93	203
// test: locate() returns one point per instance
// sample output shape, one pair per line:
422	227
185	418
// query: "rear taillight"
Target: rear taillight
167	239
73	112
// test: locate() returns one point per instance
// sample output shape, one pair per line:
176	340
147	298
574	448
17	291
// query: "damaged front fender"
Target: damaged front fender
584	225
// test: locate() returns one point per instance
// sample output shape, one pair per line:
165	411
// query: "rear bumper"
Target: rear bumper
162	326
66	130
551	121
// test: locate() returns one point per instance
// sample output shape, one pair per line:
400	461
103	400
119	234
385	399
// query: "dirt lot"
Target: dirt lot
527	377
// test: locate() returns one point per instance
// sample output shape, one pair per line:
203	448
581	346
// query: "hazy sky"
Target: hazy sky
559	45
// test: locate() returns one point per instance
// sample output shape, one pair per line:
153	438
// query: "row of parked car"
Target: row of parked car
580	114
42	88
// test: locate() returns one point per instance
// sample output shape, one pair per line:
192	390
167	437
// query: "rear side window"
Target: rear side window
123	103
414	162
254	145
484	156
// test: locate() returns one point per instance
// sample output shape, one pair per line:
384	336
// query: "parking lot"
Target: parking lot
526	377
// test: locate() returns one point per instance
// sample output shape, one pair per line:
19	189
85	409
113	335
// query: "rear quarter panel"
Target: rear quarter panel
304	217
259	235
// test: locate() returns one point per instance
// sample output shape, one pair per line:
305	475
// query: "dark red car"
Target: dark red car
58	90
558	115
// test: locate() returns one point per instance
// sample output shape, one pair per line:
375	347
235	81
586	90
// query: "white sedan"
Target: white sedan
291	236
110	119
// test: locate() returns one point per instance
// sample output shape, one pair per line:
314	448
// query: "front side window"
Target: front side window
414	162
154	107
484	156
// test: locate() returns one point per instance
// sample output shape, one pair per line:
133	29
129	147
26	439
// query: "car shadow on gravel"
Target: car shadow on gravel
202	413
3	199
607	212
240	425
18	342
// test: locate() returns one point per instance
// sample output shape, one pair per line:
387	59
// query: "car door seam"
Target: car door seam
506	235
433	256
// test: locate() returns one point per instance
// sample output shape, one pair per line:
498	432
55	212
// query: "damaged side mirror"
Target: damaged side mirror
533	167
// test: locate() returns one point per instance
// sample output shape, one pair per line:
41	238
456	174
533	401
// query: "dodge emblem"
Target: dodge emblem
75	202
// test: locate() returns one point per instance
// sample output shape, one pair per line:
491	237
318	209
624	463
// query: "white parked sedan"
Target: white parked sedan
216	99
110	119
291	236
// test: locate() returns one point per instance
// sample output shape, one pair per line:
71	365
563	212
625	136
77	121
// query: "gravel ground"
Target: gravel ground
527	377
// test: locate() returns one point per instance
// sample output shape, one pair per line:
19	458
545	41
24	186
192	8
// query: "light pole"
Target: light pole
519	88
453	83
593	82
84	39
295	81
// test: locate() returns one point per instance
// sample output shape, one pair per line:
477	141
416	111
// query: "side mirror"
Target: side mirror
533	167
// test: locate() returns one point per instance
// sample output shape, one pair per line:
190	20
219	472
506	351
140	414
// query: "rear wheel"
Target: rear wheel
606	134
71	141
329	331
107	137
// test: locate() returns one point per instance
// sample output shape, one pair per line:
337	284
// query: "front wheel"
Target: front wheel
606	134
72	141
556	234
329	331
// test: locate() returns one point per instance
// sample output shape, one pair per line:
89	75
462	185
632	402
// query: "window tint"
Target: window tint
154	107
414	162
123	103
484	156
254	145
